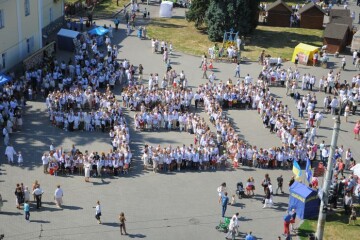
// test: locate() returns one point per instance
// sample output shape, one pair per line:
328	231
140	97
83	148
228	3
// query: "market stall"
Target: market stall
305	53
166	9
66	38
305	200
99	33
4	79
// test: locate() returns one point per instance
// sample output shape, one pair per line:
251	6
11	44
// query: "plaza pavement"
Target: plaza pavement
178	205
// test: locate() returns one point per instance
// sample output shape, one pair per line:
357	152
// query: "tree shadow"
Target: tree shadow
282	39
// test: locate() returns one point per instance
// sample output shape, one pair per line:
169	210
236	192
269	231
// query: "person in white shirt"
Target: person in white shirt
334	104
98	212
10	152
318	117
45	160
58	196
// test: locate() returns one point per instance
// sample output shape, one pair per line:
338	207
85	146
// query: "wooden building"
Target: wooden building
311	16
336	37
339	13
278	14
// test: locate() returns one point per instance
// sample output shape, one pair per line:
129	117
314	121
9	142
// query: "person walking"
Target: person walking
237	70
38	192
204	68
357	130
224	203
249	236
267	200
280	181
231	232
292	220
27	211
122	220
58	195
98	212
10	152
352	215
287	219
19	196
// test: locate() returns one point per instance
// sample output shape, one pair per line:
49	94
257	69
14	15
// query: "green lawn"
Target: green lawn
280	41
336	227
277	41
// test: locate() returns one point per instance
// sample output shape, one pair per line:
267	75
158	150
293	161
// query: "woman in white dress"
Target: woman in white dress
87	167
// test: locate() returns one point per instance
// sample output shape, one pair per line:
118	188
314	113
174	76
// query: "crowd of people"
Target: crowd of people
114	162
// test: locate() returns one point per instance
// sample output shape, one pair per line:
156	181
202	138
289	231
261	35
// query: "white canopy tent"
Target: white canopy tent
166	9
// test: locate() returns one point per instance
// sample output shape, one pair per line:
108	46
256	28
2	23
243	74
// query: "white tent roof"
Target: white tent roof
68	33
166	9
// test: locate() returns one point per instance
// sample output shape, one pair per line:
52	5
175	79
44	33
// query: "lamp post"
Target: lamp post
327	183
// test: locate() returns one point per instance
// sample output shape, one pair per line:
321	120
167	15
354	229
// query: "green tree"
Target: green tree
241	15
196	12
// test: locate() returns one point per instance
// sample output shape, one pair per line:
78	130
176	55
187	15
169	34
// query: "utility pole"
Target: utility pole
327	183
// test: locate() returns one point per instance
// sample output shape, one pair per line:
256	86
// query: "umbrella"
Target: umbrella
356	169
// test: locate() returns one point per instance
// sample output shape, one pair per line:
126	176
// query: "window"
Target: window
2	24
27	7
30	44
3	63
50	14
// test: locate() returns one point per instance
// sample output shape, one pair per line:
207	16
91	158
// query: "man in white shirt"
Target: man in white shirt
45	161
58	196
318	117
248	79
355	53
334	104
325	155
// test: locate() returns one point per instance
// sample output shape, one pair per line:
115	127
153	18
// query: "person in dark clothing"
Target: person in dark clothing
280	181
224	203
19	196
292	180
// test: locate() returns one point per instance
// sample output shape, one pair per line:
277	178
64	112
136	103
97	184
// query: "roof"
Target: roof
335	30
340	12
98	31
342	20
357	35
277	3
309	6
302	190
307	47
68	33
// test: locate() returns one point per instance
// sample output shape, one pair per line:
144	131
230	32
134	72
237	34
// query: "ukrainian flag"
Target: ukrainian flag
296	169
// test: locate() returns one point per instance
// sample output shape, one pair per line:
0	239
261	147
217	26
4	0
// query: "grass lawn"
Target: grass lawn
280	41
335	227
277	41
183	35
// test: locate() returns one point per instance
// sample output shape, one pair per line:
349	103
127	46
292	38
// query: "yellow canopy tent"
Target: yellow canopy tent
305	53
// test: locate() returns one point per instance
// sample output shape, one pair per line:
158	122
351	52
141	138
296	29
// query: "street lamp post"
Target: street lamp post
327	183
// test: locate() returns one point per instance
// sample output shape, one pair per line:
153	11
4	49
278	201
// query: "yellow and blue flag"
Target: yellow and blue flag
296	169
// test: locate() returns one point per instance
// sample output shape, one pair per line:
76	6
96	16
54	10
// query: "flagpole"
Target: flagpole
324	201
